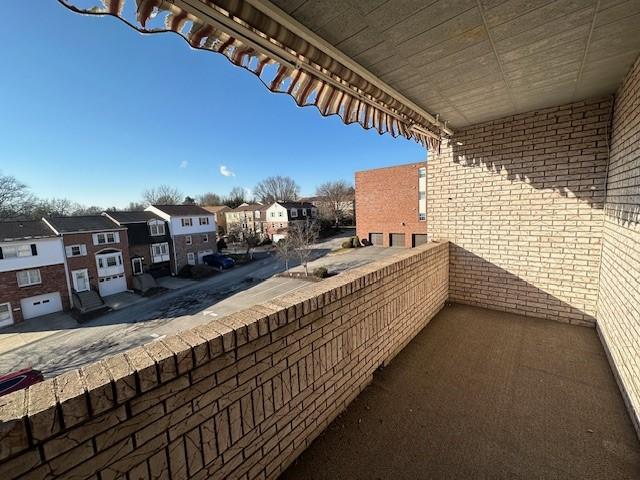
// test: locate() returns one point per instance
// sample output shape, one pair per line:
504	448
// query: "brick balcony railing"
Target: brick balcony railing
239	397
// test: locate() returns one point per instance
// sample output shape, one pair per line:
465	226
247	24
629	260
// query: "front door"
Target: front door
81	280
137	266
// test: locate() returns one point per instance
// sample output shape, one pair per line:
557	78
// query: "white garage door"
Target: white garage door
40	305
111	285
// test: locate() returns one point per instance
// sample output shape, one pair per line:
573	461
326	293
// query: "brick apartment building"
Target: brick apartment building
391	205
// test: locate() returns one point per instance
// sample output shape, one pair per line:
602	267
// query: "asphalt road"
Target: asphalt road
73	345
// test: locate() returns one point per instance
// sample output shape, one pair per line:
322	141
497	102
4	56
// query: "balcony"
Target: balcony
475	393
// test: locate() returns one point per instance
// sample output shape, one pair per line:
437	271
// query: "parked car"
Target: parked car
18	380
218	261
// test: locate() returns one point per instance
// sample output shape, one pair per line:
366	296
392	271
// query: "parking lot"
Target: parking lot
57	343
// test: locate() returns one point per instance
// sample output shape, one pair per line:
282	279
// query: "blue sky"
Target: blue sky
95	112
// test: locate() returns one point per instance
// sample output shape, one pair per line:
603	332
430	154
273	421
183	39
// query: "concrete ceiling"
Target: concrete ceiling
475	60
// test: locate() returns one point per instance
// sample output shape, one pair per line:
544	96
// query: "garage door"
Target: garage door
396	239
203	253
40	305
420	239
375	239
111	285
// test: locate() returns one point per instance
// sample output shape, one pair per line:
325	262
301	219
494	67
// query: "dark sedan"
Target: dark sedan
218	261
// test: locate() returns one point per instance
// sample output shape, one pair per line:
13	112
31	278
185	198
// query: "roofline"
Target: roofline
119	228
402	165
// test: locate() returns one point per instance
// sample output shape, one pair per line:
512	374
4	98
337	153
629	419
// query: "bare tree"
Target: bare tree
162	195
285	250
274	189
303	235
336	196
246	237
54	207
135	206
15	199
209	199
237	196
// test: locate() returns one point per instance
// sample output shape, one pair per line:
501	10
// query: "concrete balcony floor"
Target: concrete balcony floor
484	394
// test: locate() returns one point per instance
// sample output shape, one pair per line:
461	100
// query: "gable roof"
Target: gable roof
182	210
83	223
125	216
289	205
250	207
24	230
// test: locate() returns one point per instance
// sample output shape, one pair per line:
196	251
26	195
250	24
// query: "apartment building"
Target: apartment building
280	216
32	271
246	217
391	205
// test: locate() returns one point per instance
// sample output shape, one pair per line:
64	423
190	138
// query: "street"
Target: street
56	343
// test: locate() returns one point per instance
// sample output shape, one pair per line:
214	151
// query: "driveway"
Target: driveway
57	344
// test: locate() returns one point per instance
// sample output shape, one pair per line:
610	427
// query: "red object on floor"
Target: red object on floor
18	380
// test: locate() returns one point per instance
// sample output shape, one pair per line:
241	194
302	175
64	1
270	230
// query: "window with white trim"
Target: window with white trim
106	237
273	214
294	212
204	220
280	213
186	222
205	238
188	240
304	212
13	251
156	229
422	172
422	216
191	258
27	278
76	250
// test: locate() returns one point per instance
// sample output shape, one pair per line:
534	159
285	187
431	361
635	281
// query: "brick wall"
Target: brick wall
53	280
197	245
88	261
240	397
619	299
387	202
521	200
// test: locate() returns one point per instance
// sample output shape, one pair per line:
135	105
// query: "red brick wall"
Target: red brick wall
53	280
521	200
619	299
387	202
88	261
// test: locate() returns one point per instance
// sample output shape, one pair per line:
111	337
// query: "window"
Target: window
314	212
136	263
156	229
111	262
422	217
29	277
422	195
76	250
256	214
204	220
160	249
280	213
188	240
422	172
273	214
5	312
102	238
205	238
304	212
294	212
187	222
191	258
14	251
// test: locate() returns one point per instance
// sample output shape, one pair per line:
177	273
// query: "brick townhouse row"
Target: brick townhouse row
44	262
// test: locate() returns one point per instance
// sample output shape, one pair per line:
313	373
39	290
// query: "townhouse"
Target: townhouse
391	205
247	217
192	231
219	215
280	216
33	280
97	253
149	241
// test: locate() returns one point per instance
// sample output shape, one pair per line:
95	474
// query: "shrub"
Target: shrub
266	241
356	242
201	271
185	272
321	272
347	244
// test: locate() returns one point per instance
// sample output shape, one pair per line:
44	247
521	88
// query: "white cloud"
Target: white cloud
184	163
225	172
